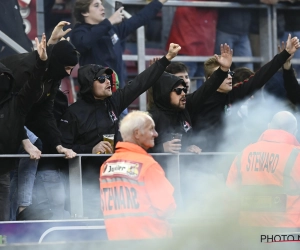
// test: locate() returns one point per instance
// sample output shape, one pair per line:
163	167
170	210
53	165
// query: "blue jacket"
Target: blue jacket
101	43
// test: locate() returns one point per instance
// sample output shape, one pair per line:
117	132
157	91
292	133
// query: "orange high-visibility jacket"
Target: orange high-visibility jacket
136	197
267	177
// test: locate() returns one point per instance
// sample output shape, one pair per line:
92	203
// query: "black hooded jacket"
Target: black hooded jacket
209	125
13	110
170	120
40	120
85	121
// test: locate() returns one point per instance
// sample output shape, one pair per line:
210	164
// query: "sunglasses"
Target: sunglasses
179	90
102	79
231	73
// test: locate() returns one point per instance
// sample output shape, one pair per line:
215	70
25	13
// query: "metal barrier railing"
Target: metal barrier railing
172	169
11	43
267	27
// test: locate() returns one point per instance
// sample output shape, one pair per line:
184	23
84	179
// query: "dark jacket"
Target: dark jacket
13	110
209	121
292	18
169	120
272	98
235	21
101	43
40	120
85	121
11	23
53	163
291	86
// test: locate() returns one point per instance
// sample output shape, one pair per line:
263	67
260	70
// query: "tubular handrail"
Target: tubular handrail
215	4
267	20
208	4
194	58
267	28
105	155
75	174
11	43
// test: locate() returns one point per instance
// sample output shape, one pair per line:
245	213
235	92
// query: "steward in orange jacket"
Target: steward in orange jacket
136	197
267	175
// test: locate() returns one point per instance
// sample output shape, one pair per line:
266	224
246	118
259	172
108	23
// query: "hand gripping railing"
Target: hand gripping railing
172	169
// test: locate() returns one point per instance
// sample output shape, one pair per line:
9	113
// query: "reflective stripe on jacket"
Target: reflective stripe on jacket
136	197
268	179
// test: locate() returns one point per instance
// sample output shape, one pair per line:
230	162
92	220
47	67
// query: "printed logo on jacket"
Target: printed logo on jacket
117	185
262	161
122	168
186	126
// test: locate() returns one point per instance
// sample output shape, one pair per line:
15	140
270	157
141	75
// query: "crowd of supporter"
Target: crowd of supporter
230	109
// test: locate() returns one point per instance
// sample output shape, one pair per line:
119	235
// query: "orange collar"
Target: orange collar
128	146
280	136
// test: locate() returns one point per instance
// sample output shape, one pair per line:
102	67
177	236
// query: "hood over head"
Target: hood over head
173	119
162	89
63	54
86	78
22	66
6	82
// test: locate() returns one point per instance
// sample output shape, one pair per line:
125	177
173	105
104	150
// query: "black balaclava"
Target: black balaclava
63	54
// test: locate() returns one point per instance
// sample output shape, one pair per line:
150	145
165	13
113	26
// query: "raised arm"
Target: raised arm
27	96
58	33
140	19
246	88
290	81
198	97
144	80
85	39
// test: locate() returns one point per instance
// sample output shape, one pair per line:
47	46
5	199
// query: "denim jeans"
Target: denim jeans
123	114
22	182
239	43
31	136
4	196
90	187
49	192
196	69
297	53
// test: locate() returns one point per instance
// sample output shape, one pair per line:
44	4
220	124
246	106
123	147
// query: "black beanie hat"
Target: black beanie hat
65	53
